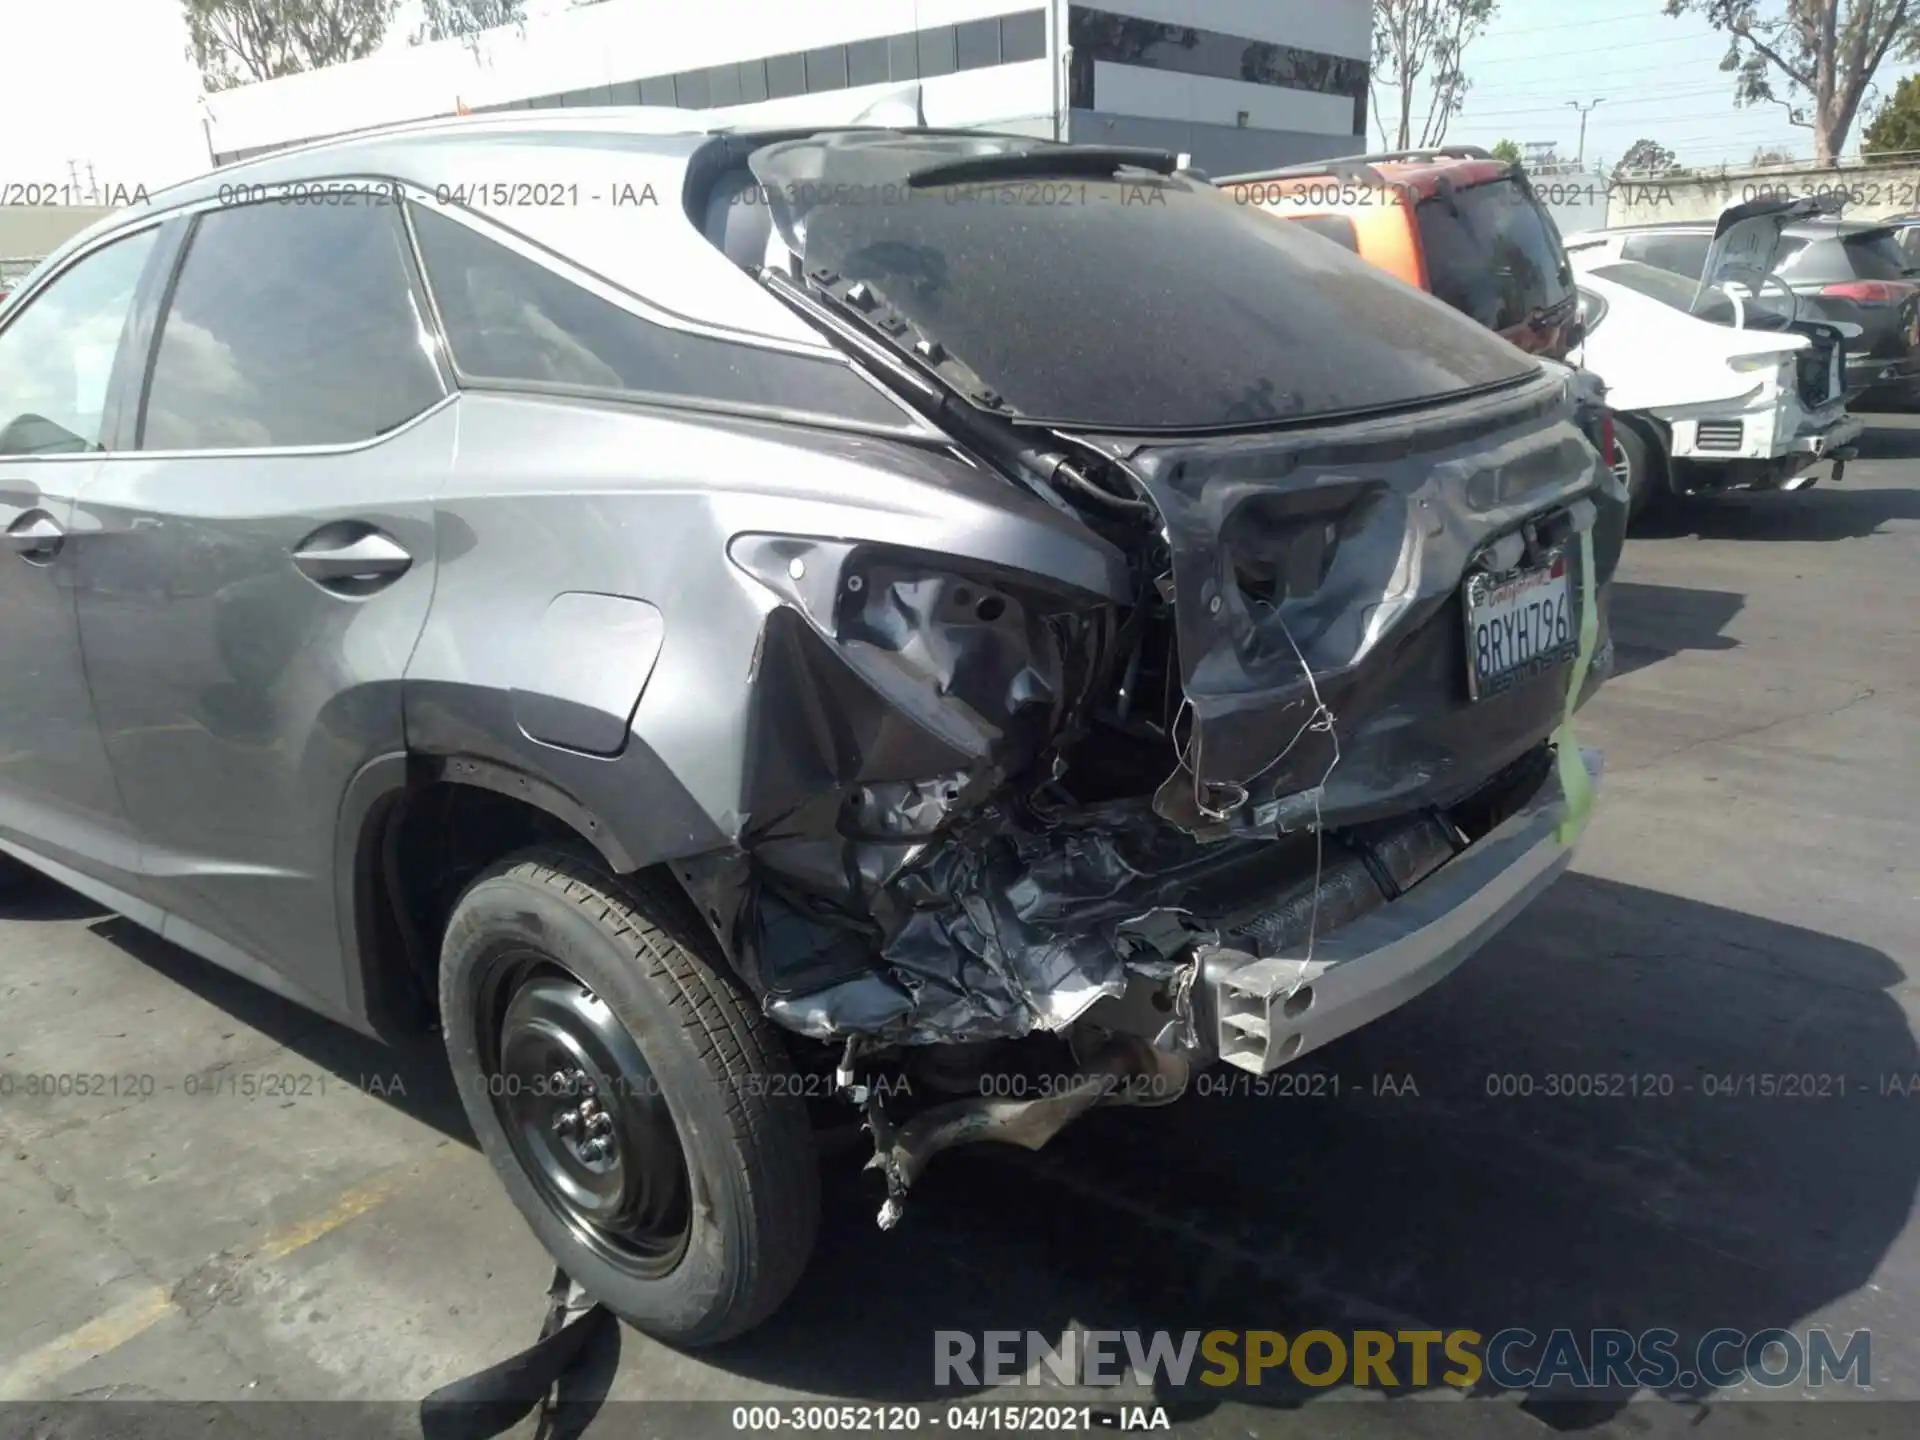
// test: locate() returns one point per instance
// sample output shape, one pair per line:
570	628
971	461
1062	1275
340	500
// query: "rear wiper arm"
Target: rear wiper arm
1546	316
1101	160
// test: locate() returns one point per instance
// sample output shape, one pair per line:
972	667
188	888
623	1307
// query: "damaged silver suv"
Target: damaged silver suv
737	628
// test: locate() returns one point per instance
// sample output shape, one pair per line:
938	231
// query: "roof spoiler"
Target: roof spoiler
1359	167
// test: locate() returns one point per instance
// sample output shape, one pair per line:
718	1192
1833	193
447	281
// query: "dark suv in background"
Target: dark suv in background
1848	273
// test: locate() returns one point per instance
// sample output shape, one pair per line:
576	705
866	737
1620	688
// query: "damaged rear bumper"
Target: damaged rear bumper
1261	1012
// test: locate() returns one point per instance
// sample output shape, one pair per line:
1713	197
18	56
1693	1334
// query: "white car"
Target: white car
1720	383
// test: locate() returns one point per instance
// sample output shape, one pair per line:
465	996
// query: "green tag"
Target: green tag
1575	783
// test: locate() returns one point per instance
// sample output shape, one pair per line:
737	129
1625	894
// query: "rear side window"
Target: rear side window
1336	228
1682	254
1493	254
289	325
510	319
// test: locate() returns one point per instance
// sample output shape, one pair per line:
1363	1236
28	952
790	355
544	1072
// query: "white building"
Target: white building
1238	84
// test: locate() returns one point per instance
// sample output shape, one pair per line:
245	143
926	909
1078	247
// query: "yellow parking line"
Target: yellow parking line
106	1332
141	1312
350	1206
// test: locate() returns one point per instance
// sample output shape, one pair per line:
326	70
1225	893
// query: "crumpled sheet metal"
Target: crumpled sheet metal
1308	571
1010	925
893	883
878	890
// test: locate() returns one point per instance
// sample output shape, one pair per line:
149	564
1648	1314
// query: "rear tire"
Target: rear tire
698	1221
1633	462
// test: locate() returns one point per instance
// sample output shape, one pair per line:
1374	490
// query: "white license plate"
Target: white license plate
1519	627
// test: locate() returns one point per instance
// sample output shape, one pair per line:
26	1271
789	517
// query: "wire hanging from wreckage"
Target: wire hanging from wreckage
1321	721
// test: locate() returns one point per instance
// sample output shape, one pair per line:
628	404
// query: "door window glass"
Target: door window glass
57	355
289	325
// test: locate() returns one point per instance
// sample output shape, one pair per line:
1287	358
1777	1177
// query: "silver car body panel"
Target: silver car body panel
808	658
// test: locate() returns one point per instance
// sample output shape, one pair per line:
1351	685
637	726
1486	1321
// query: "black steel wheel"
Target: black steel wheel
629	1095
584	1113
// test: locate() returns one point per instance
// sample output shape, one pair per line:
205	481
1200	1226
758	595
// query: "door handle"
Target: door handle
368	557
35	536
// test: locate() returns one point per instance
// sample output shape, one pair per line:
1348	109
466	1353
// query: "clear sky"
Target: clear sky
1659	77
107	82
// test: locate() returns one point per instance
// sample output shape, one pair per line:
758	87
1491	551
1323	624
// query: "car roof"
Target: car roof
595	150
1826	228
651	249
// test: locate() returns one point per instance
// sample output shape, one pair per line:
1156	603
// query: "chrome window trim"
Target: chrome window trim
914	424
434	343
915	428
619	296
648	310
684	406
531	249
260	452
19	300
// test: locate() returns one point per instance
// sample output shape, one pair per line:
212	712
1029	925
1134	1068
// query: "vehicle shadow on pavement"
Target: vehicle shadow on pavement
1420	1174
1889	442
424	1088
1681	1196
1823	513
39	899
1652	622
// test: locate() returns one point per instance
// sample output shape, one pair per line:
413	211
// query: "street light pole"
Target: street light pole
1584	110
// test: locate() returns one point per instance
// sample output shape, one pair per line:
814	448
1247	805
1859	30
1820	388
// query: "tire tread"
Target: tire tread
653	922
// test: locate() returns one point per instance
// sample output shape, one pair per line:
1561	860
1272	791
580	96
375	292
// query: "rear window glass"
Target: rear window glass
1127	302
1875	256
1336	228
1682	254
1910	245
1492	253
1670	289
509	318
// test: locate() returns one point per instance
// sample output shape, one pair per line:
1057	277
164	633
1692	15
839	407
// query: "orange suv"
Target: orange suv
1456	223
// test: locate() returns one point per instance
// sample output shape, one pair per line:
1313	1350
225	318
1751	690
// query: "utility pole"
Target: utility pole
1584	110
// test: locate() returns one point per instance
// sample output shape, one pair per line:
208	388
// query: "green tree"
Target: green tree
465	19
1825	50
1507	150
1895	127
235	42
1424	42
1645	157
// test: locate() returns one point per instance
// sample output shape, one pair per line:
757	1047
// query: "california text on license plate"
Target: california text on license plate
1520	627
